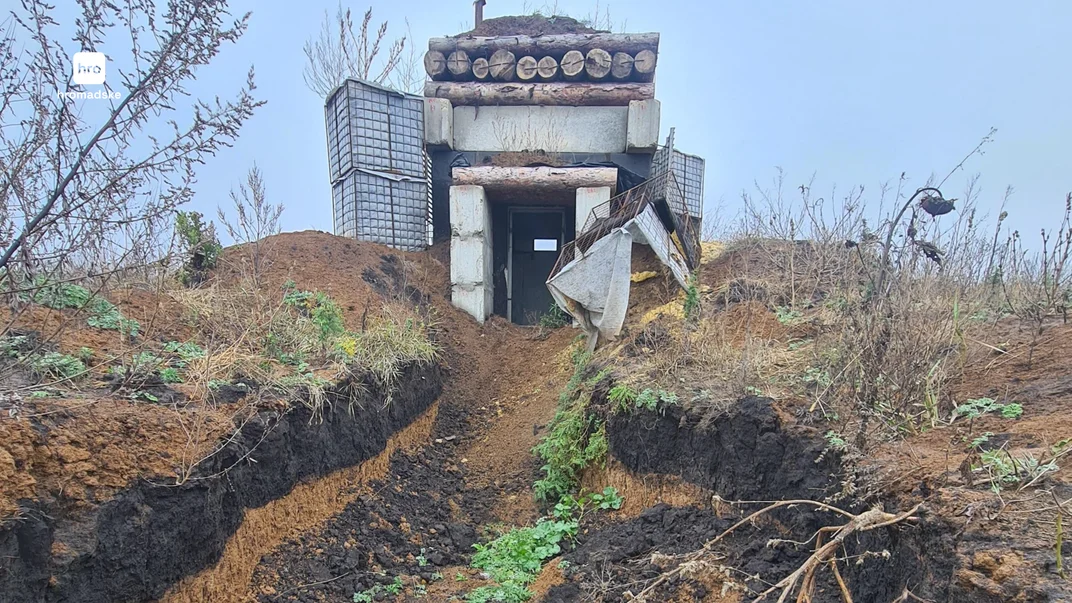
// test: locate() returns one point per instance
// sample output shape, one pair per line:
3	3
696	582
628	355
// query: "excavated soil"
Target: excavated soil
528	25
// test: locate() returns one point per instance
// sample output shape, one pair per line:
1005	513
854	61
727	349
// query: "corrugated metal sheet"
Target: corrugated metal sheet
376	159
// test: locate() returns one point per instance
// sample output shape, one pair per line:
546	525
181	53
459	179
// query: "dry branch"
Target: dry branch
824	553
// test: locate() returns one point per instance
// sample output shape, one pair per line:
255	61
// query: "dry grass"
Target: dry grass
864	314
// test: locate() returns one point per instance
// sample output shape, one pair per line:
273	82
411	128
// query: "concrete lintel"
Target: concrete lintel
438	123
642	132
535	179
587	200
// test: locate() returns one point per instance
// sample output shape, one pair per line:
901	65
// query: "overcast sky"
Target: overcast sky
854	92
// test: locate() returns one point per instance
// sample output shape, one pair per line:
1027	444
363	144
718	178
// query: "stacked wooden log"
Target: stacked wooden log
607	69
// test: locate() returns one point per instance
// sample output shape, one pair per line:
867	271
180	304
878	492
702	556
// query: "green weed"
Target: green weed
835	441
628	400
170	375
514	559
574	442
691	306
787	315
200	245
973	409
554	318
186	351
55	365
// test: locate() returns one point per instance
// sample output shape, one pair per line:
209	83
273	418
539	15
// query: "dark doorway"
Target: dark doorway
535	240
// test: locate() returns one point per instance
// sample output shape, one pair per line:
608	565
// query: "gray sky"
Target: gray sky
854	92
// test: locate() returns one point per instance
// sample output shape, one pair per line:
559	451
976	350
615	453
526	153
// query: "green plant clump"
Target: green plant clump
554	318
692	297
626	399
574	443
514	559
973	409
56	365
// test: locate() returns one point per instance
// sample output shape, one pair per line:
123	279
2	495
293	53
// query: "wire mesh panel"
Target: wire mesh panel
376	159
689	171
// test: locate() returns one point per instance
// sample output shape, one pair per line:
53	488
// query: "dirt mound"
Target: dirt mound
528	25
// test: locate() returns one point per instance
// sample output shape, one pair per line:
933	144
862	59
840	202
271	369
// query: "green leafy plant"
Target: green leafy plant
199	244
652	400
55	365
981	440
105	315
973	409
691	306
186	351
787	315
514	559
170	375
1004	469
554	318
834	441
11	346
622	396
574	442
395	587
62	296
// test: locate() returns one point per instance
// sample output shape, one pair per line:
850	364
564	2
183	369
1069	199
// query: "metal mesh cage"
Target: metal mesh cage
376	159
688	171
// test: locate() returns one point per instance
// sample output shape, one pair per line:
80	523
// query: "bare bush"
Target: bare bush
86	185
255	220
341	52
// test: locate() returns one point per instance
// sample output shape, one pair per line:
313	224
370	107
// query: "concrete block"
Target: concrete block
642	132
471	271
587	199
438	123
541	128
471	299
468	211
467	265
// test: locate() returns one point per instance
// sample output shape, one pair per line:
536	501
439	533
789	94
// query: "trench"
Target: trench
750	453
284	472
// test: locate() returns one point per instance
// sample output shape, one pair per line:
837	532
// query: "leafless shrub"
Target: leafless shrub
340	52
892	288
87	186
255	220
